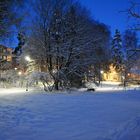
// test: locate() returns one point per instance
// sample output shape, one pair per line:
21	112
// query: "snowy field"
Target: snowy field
108	115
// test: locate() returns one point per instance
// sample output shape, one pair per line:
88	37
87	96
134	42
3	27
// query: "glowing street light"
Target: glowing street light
15	68
128	74
27	58
101	76
19	73
101	71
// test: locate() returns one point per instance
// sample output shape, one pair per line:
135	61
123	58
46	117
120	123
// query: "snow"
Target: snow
111	86
33	115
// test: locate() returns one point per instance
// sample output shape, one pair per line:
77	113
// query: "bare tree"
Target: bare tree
64	42
134	13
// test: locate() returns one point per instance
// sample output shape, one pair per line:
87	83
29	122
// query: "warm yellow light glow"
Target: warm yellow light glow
128	74
15	68
19	73
112	74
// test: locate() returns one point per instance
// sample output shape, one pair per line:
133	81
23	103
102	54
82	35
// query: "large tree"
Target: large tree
117	51
65	41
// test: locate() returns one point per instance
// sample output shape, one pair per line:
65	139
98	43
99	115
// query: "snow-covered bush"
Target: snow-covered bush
40	77
91	85
11	78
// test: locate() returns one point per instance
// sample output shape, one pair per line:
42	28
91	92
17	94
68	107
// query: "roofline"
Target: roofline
5	47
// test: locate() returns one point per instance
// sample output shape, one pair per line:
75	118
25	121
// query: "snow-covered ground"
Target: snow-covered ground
111	86
109	115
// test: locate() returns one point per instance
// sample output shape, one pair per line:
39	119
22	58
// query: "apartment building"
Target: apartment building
5	56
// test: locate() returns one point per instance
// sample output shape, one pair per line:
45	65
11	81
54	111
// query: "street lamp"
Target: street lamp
101	71
101	76
27	58
19	73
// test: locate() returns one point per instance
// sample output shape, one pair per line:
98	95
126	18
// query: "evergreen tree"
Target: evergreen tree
21	39
117	51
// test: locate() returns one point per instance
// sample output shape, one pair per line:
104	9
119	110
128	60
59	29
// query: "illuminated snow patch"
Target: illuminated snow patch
4	91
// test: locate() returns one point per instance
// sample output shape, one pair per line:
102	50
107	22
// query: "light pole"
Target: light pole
101	73
28	59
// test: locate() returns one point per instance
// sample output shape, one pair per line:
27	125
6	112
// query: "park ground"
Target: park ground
76	115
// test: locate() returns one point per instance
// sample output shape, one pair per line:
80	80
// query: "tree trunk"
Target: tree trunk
56	85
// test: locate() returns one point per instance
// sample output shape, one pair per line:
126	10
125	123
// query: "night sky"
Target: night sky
109	12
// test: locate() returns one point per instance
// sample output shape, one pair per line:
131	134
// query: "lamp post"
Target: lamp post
30	62
101	73
20	74
28	59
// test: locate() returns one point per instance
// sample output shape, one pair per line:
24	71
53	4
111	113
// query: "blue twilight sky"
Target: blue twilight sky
108	12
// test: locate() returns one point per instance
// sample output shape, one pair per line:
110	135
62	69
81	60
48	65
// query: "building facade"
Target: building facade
5	56
5	53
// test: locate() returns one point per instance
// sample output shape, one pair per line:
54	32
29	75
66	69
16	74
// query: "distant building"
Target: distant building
134	62
134	73
5	53
5	56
